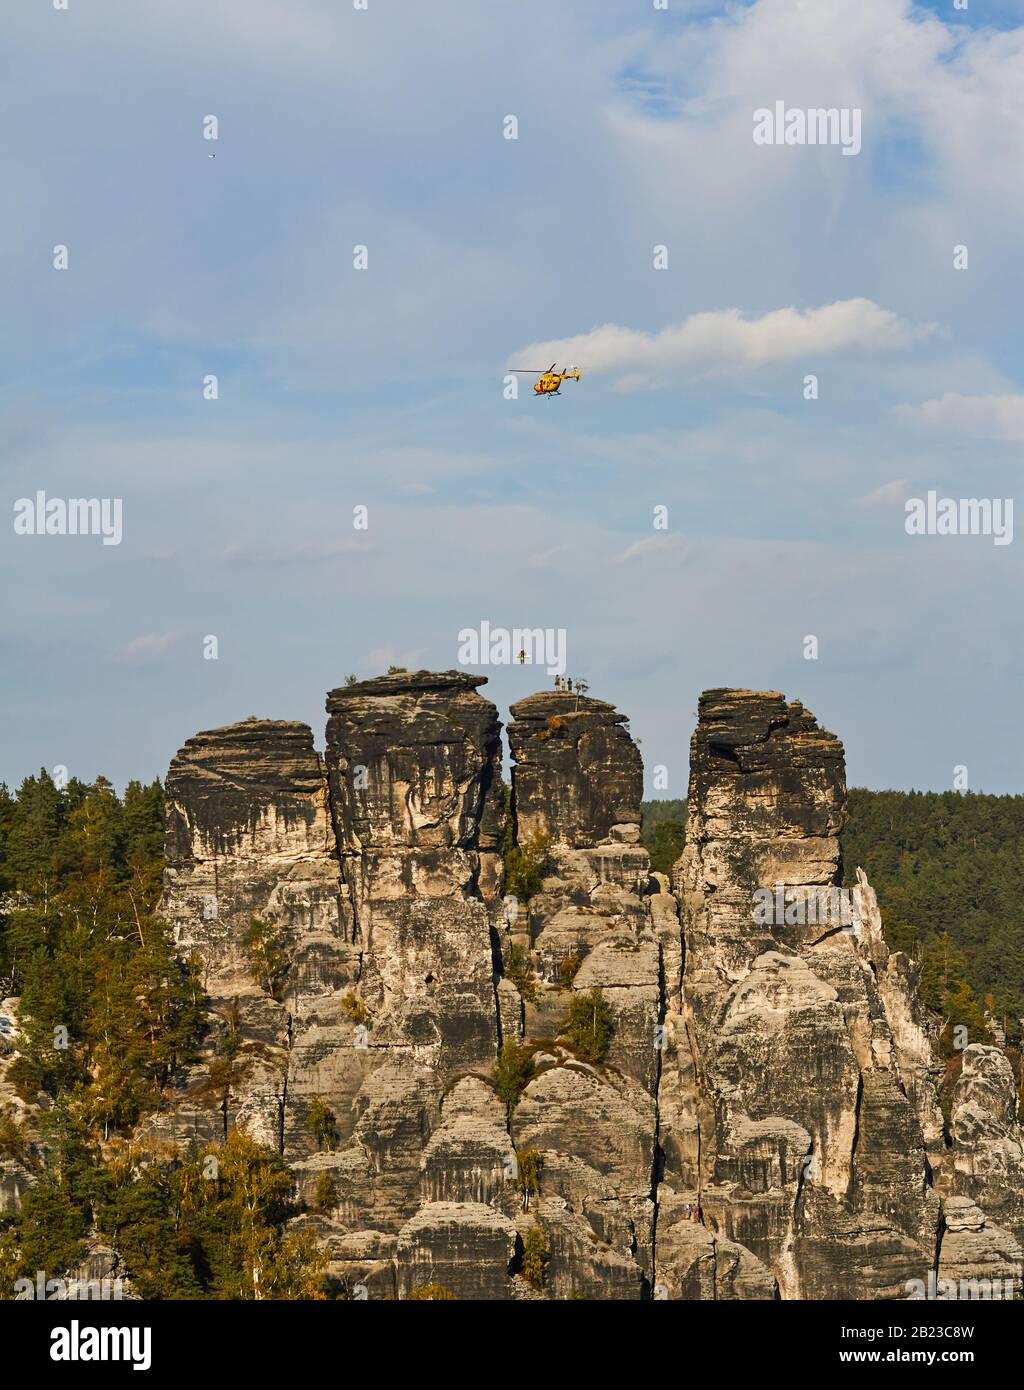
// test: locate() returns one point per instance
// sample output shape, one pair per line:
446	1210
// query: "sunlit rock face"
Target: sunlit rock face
414	762
762	1122
988	1152
578	780
249	839
809	1153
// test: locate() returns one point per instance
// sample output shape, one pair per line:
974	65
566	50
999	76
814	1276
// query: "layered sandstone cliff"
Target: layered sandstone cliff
804	1148
763	1122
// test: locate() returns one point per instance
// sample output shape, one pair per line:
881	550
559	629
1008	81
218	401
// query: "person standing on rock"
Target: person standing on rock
522	656
558	682
568	684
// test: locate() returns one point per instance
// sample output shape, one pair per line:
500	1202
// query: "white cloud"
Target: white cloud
545	559
652	544
726	339
990	417
148	646
886	495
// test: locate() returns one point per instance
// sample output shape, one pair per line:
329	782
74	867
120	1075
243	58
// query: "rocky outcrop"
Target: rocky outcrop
988	1152
695	1263
898	978
464	1247
250	845
798	1140
973	1250
249	835
762	1120
414	763
577	781
578	772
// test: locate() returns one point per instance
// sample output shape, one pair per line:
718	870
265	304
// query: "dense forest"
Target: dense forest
948	868
108	1017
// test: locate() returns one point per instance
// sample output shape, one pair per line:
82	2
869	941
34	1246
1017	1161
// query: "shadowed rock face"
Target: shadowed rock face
221	783
577	770
414	760
248	835
777	1073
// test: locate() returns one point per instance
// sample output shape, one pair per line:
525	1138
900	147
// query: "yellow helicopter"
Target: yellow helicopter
548	382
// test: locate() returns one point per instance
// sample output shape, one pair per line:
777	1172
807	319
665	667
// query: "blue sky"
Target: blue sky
384	387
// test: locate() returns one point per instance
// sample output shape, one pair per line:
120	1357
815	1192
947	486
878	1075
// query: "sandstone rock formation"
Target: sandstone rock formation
578	779
414	764
249	838
808	1152
578	772
249	835
763	1121
988	1160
